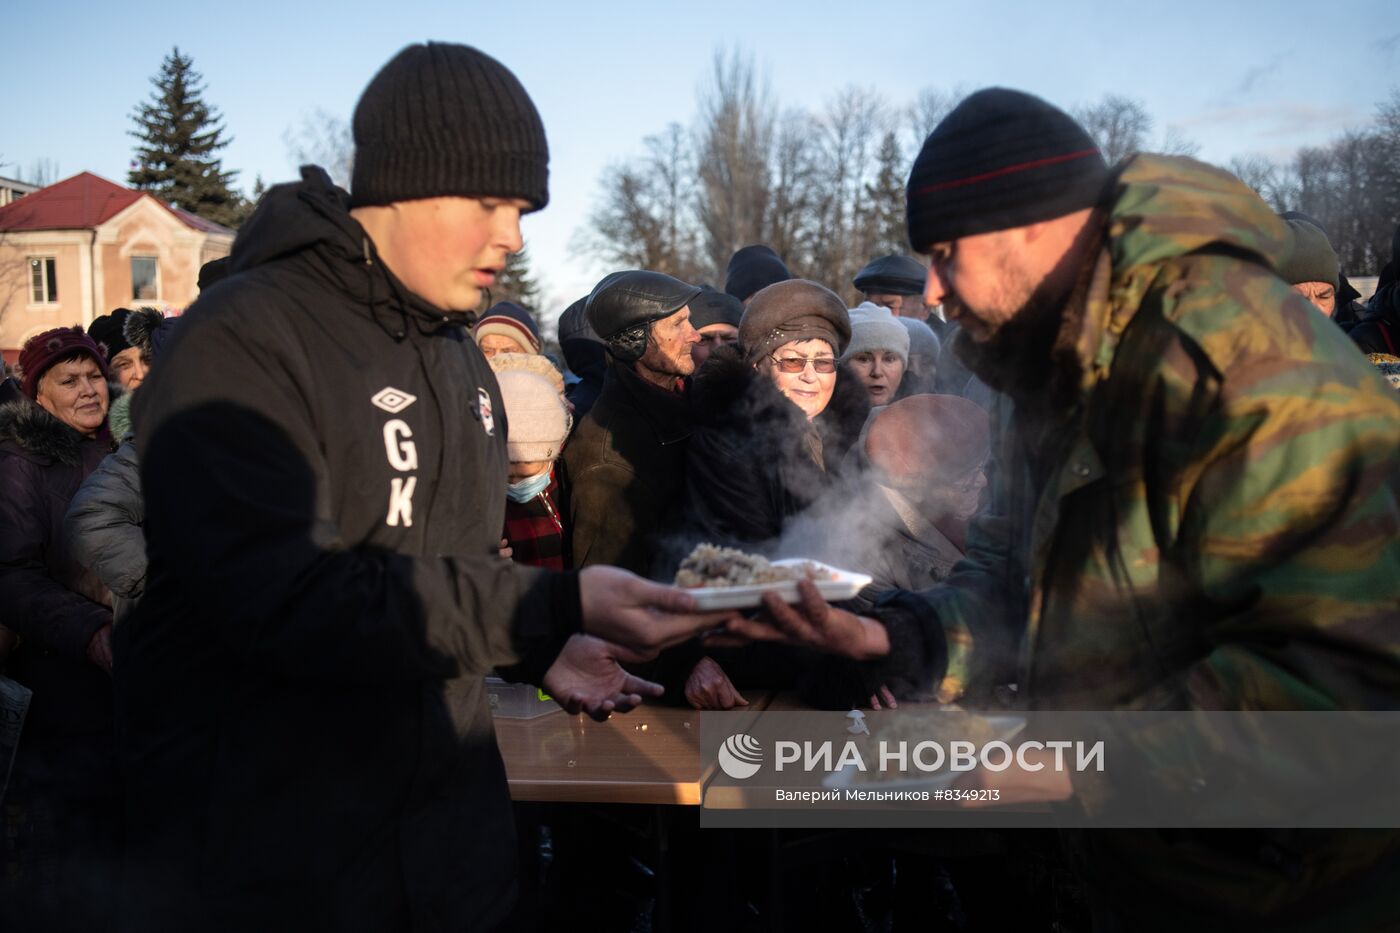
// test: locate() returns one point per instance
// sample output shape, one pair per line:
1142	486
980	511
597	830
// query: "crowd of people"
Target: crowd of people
1127	440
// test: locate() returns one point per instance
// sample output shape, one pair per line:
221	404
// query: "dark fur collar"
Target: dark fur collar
39	433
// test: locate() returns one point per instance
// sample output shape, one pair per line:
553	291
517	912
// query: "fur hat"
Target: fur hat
874	327
108	332
147	330
42	351
537	417
796	309
508	319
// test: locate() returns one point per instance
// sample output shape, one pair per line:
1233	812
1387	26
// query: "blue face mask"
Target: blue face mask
527	489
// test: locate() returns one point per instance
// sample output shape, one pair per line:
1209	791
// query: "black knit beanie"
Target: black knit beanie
442	120
1001	159
752	269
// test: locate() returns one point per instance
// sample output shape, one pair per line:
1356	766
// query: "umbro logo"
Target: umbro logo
392	400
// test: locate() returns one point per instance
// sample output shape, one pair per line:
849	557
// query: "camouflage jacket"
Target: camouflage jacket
1211	522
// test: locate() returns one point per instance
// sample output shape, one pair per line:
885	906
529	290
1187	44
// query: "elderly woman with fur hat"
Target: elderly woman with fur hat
60	827
775	416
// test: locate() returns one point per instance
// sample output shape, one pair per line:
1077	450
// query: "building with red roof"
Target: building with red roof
84	246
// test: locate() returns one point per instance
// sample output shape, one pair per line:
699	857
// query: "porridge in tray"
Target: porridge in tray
710	566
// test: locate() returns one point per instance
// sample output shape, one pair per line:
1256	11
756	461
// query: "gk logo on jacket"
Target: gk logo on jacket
402	454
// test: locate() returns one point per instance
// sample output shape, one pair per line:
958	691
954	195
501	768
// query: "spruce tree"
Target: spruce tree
517	283
886	200
179	135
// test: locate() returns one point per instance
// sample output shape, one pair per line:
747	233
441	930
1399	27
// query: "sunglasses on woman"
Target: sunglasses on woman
795	364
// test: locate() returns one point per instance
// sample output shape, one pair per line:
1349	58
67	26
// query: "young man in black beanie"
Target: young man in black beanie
1192	506
305	725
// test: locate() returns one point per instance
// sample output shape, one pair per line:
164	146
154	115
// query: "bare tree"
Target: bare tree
42	172
794	177
733	144
1262	174
326	140
845	230
928	110
1175	142
645	215
1118	124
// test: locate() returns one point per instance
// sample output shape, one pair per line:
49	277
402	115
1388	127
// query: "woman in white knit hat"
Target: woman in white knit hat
878	353
538	423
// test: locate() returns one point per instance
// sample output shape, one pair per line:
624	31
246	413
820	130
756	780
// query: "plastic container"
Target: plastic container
518	701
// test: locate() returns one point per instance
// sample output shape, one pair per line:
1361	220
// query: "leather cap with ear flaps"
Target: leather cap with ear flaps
624	300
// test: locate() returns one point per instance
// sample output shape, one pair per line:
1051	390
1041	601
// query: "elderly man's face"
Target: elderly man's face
1323	295
981	281
900	305
446	250
712	337
668	350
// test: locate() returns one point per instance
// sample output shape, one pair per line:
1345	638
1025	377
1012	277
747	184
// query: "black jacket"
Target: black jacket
752	463
1378	330
104	528
300	690
626	463
47	596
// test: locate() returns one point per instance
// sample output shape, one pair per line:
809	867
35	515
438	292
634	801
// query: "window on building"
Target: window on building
43	280
144	284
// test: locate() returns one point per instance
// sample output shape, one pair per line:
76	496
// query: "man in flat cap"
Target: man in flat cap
895	282
301	690
1194	500
626	460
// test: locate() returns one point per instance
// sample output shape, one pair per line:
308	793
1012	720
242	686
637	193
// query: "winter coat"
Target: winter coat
103	528
1197	511
586	359
535	529
47	596
10	391
1378	330
300	690
626	467
755	460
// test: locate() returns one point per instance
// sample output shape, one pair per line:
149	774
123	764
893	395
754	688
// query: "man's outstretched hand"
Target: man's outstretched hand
588	677
812	623
637	614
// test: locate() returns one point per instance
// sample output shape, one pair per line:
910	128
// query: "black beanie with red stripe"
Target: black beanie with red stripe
1001	159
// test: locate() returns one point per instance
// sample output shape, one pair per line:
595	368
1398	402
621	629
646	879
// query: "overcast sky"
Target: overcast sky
1237	77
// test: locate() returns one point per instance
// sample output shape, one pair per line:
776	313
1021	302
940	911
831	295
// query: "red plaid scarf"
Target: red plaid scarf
535	529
